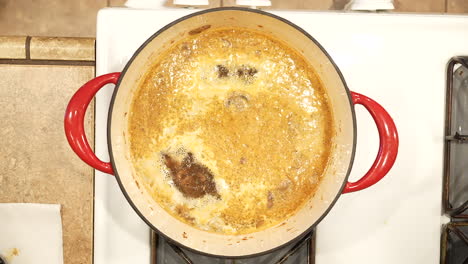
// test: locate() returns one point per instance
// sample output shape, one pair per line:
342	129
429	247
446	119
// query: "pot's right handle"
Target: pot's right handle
74	120
388	148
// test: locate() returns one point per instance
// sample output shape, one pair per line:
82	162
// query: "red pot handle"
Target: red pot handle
74	121
388	148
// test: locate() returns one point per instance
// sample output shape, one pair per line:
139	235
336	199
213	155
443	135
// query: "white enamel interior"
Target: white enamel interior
330	186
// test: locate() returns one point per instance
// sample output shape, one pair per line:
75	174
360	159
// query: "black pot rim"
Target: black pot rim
109	137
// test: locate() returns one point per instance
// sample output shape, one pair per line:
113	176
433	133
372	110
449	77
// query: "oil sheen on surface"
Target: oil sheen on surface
244	110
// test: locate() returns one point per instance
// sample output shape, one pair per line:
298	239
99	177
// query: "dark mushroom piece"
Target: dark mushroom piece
237	101
194	180
246	73
223	72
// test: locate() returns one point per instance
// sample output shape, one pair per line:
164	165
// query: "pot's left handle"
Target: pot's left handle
74	121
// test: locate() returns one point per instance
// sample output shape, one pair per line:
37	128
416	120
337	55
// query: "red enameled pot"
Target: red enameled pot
333	183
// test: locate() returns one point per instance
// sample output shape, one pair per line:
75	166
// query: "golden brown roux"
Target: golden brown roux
251	110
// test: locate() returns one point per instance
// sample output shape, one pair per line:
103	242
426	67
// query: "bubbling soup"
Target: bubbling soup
230	131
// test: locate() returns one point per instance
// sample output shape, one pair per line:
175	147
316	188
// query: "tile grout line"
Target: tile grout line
28	47
47	62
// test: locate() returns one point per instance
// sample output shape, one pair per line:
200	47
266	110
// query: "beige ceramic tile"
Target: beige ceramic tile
420	6
12	47
318	5
36	163
457	6
228	2
46	48
339	4
212	3
433	6
292	4
281	4
169	3
62	18
116	3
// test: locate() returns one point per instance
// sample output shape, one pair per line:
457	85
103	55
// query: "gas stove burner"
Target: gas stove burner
301	252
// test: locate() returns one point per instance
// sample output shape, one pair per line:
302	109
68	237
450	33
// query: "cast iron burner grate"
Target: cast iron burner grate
301	252
454	242
456	139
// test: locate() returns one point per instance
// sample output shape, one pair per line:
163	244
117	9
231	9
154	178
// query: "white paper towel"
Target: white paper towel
31	233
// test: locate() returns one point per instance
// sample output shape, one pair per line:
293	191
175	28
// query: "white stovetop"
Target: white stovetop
398	60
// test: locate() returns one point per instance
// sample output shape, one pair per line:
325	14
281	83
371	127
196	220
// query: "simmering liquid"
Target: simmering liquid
231	130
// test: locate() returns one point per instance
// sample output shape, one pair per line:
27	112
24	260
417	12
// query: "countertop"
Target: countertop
39	75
